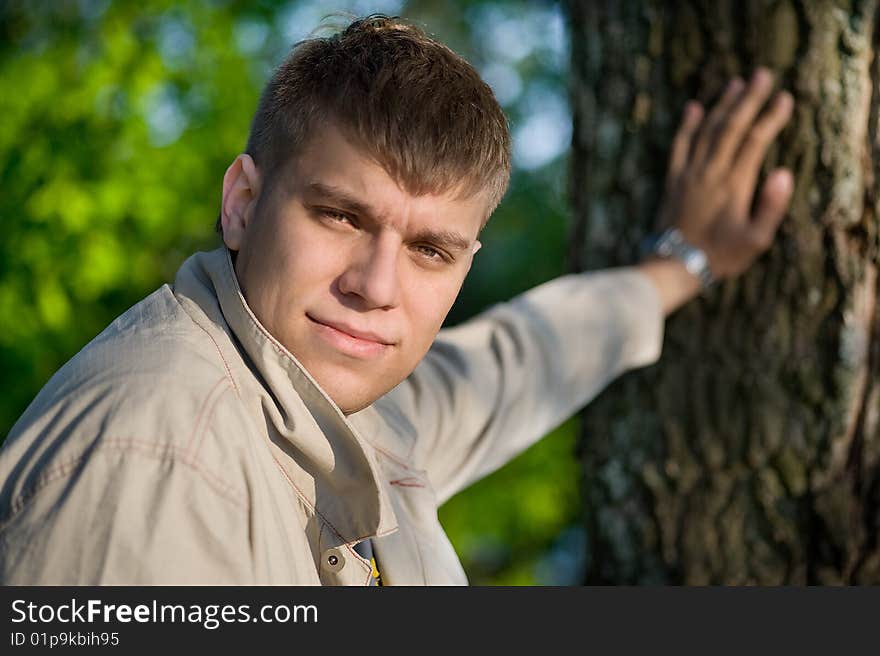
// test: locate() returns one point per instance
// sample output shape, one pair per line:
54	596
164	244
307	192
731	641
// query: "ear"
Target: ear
241	189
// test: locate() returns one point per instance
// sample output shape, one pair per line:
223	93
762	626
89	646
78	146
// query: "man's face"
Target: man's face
352	274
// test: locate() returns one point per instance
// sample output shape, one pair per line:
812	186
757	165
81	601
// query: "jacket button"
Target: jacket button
332	560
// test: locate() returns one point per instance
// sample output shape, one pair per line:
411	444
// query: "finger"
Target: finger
681	145
707	132
772	205
740	119
754	147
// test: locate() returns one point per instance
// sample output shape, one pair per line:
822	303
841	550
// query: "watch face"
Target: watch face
695	262
671	243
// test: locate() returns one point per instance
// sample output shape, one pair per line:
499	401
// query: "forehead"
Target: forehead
331	162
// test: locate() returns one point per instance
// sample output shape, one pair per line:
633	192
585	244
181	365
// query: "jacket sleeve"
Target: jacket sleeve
126	517
491	387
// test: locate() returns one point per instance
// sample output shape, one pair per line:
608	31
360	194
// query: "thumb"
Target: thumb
772	204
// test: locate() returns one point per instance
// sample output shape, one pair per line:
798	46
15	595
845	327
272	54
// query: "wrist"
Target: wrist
671	244
675	285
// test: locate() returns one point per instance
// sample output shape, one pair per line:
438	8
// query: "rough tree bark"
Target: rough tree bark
751	452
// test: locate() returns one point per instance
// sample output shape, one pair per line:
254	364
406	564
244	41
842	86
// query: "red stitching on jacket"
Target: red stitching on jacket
393	458
407	482
223	358
213	403
196	321
304	498
151	449
205	405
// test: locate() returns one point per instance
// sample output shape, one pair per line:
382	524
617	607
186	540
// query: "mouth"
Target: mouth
349	340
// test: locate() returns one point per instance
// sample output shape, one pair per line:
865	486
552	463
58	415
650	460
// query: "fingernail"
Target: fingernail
735	85
692	110
761	76
784	180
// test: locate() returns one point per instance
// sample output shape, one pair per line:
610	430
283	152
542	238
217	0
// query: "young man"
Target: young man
286	412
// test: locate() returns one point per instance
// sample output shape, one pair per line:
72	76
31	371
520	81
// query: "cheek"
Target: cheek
428	307
286	269
316	260
307	257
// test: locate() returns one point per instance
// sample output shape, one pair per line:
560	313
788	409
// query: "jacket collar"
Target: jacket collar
343	481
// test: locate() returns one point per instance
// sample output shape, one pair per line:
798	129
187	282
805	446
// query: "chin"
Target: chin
353	409
349	397
351	403
352	389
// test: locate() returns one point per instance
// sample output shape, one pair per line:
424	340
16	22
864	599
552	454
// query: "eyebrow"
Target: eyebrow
343	200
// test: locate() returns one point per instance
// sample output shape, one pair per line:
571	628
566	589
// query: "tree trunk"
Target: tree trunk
751	452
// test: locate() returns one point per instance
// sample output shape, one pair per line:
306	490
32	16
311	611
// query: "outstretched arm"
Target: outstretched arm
713	173
493	386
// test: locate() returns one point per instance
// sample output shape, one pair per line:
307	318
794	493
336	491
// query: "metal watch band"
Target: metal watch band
671	243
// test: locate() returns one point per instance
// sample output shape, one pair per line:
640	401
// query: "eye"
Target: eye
430	253
335	216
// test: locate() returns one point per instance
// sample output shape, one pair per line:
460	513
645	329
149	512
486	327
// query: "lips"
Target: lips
365	335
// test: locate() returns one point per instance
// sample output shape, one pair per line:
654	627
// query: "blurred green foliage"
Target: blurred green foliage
118	122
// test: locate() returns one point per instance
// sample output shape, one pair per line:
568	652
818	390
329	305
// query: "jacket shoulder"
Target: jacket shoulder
150	360
150	382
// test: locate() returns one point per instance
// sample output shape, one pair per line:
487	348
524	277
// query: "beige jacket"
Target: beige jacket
185	445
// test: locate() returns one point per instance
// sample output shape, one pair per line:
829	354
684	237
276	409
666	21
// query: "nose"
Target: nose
372	273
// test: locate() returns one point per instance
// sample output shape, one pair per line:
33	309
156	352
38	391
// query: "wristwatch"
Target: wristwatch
671	243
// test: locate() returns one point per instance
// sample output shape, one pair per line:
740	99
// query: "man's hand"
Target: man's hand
710	187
